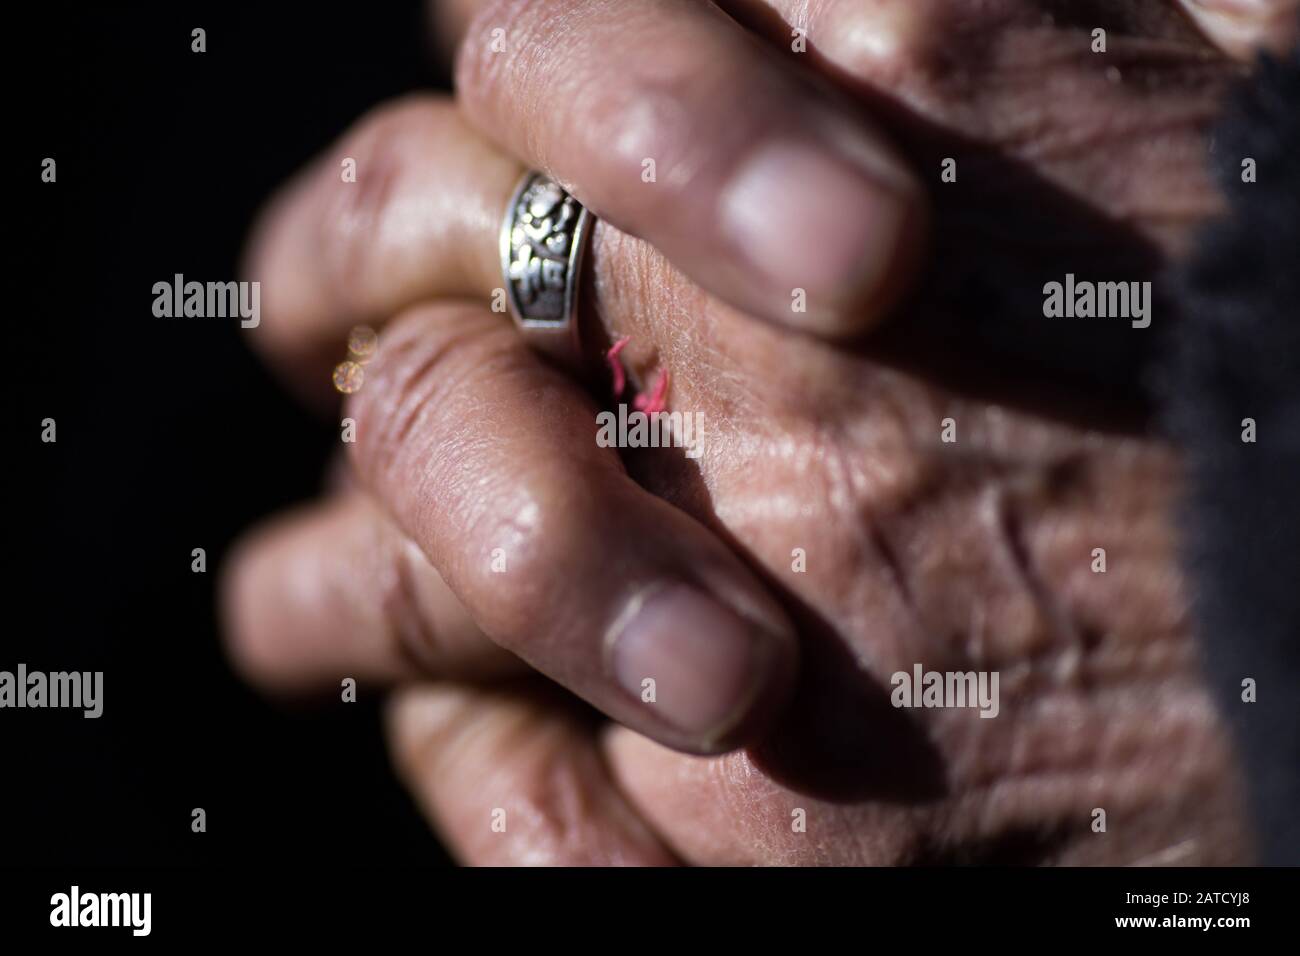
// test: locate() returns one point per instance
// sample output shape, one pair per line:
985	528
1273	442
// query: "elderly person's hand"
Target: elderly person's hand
893	506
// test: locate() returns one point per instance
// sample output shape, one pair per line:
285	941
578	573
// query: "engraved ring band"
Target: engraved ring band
543	236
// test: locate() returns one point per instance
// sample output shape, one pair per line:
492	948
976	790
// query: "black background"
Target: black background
171	434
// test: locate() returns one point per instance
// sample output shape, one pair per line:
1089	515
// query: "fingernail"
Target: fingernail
808	219
705	661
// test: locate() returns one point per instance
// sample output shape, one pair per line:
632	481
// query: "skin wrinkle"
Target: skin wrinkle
1105	705
411	626
1039	753
1009	524
401	408
441	474
503	514
478	66
559	807
851	500
394	567
977	108
651	124
837	497
544	809
359	233
1105	693
1166	717
1073	649
999	428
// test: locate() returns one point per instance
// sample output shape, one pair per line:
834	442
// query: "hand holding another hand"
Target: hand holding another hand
968	555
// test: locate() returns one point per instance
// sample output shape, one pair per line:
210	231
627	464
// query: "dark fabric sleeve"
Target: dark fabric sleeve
1234	355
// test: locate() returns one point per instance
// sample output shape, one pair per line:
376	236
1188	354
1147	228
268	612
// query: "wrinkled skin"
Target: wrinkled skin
970	555
975	554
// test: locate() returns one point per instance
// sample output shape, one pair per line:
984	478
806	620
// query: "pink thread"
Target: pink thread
616	365
642	403
655	403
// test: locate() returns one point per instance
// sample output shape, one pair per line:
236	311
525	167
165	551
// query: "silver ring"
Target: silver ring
542	242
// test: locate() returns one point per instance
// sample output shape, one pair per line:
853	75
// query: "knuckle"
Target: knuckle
439	427
532	524
470	742
650	118
546	788
690	120
413	388
398	569
557	797
624	105
425	632
881	41
496	40
384	146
